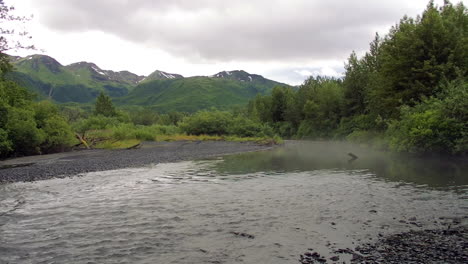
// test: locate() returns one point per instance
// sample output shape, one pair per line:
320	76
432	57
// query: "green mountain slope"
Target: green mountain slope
61	93
81	82
195	93
78	82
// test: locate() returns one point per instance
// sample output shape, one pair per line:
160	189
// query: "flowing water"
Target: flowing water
261	207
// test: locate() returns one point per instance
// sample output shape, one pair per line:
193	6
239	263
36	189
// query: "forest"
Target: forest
407	93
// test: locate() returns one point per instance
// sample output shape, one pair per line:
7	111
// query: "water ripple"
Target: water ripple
190	212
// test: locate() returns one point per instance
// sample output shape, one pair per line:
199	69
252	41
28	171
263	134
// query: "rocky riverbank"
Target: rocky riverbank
443	245
67	164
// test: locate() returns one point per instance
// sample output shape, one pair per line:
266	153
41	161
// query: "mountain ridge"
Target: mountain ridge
81	82
239	75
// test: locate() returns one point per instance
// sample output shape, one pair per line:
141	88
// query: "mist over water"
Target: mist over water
260	207
436	171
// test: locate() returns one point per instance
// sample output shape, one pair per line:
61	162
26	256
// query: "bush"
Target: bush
422	131
6	146
58	134
44	110
244	127
285	129
428	127
223	123
207	123
96	123
123	131
359	123
305	130
147	133
23	131
144	117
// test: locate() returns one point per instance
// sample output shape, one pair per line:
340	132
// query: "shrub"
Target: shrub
244	127
23	131
164	129
95	123
145	133
6	146
427	128
123	131
58	134
208	123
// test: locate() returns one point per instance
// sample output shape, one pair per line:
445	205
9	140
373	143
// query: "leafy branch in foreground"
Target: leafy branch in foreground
11	38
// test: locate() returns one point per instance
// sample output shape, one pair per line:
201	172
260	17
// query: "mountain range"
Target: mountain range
81	82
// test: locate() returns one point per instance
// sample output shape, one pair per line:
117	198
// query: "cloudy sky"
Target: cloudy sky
284	40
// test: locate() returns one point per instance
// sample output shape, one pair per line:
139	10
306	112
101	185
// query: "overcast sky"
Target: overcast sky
284	40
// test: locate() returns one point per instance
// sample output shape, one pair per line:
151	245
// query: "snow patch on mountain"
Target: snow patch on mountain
98	70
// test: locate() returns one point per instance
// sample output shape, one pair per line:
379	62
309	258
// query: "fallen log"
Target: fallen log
135	146
81	139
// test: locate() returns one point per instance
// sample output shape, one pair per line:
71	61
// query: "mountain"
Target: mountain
78	82
82	81
222	90
92	72
160	75
241	76
73	83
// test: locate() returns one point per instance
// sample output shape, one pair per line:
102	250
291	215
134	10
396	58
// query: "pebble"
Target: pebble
424	246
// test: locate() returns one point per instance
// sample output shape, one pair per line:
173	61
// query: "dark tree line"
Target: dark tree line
408	92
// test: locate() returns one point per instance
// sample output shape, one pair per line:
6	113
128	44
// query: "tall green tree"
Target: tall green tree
418	54
104	106
26	127
323	108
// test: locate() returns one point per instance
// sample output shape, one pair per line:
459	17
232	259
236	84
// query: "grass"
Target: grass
119	144
105	139
183	137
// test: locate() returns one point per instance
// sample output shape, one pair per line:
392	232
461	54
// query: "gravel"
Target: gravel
67	164
427	246
448	245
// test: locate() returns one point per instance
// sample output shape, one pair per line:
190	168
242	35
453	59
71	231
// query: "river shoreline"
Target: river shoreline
67	164
440	245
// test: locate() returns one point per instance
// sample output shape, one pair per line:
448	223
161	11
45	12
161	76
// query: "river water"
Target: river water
261	207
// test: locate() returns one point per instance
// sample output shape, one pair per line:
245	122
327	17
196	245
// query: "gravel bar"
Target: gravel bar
443	245
67	164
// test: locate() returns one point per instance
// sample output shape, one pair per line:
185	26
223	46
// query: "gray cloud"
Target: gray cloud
297	75
216	30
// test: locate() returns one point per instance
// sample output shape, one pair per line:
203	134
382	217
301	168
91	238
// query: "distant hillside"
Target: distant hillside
222	90
91	72
81	82
78	82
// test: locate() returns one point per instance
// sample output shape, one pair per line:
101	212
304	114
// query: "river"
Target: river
259	207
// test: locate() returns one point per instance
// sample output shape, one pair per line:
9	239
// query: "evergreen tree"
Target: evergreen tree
104	106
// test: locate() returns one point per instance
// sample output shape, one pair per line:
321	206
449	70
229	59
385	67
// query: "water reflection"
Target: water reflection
435	172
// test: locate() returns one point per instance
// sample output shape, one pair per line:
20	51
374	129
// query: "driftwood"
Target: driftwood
353	157
82	140
135	146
